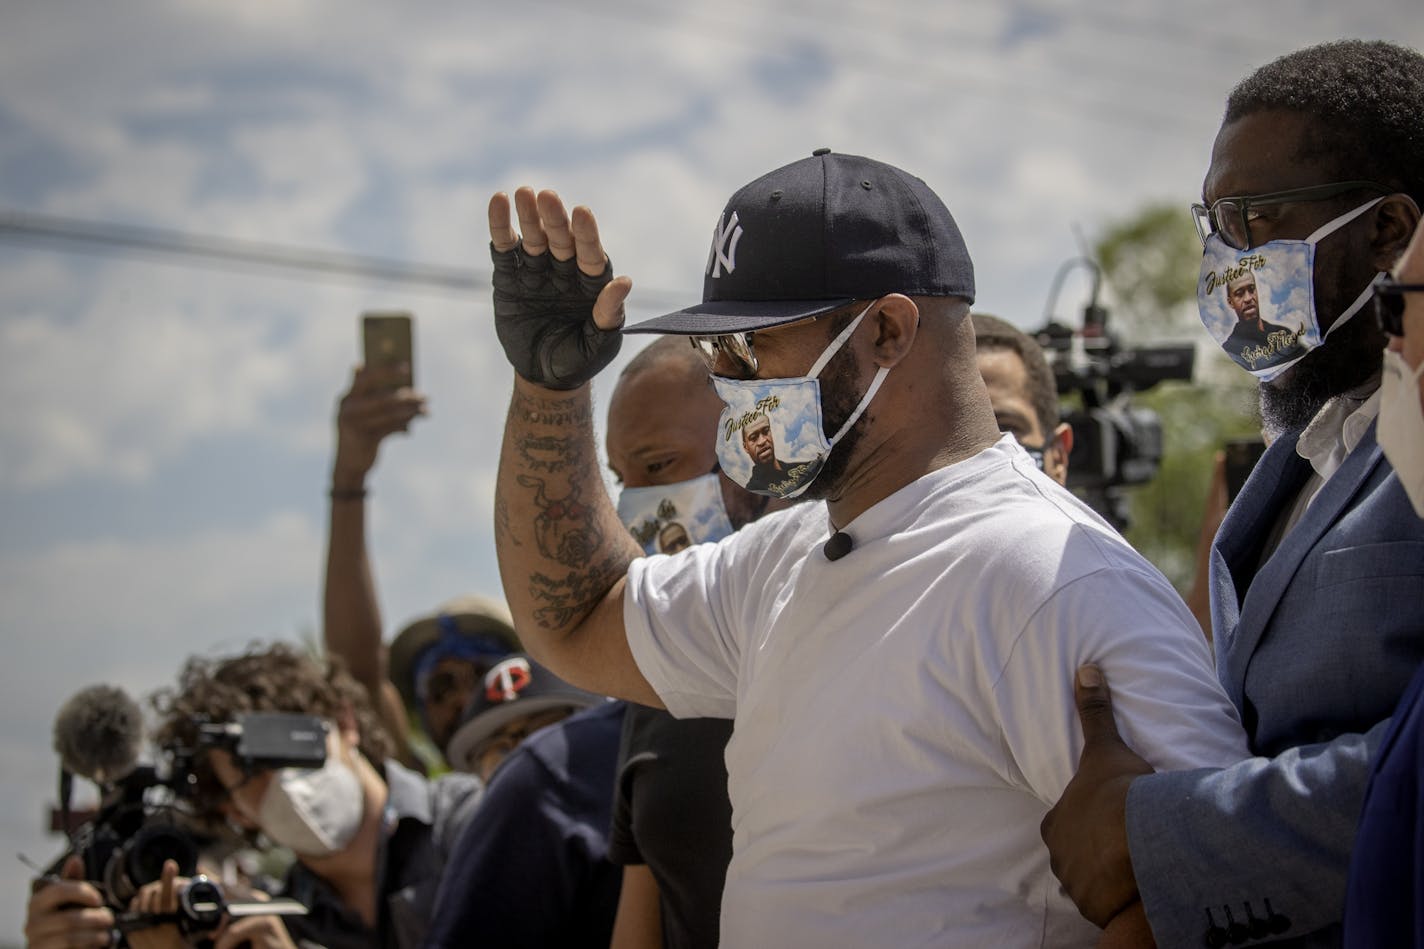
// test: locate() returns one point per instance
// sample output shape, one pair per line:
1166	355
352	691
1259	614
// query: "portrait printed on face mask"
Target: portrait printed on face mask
1239	303
775	441
666	518
1259	303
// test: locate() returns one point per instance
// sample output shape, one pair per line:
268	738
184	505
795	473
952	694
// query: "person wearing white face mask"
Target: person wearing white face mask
370	837
1384	903
1400	309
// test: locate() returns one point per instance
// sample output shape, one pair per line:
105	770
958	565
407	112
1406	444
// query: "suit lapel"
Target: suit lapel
1262	594
1236	553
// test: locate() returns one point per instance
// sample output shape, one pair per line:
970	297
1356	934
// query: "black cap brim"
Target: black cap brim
736	316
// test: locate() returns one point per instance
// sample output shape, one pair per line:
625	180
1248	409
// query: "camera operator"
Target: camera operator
370	836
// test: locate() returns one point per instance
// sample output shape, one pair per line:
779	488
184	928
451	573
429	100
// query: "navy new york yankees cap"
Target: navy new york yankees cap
816	235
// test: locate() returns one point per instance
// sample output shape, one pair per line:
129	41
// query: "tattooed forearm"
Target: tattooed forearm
567	599
561	545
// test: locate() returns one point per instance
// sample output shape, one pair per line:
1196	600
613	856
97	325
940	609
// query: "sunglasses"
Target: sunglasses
1232	217
1389	303
739	349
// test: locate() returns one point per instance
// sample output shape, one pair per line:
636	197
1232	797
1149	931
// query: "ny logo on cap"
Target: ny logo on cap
724	246
505	681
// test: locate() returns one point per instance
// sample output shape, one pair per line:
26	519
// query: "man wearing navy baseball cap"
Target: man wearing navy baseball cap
897	657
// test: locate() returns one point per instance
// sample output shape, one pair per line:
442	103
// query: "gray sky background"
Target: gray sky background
165	427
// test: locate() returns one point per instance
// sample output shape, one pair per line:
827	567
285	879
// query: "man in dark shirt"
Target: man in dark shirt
672	820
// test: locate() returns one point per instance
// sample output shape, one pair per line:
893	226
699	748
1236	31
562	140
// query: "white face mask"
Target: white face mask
1401	425
665	518
1280	277
313	811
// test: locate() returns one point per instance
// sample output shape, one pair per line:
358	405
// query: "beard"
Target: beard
742	506
840	394
1346	361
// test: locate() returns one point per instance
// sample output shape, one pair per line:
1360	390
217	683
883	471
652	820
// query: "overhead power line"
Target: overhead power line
28	225
104	237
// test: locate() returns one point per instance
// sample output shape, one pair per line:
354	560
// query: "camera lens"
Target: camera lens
201	903
141	860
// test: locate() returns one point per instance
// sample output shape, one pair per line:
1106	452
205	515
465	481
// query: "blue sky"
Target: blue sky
165	428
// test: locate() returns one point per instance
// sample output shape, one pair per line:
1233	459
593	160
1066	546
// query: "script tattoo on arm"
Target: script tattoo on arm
545	452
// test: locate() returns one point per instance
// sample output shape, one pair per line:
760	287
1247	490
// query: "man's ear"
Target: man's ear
1396	219
897	320
1057	452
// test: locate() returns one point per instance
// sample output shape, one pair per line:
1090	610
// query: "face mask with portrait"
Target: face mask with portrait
666	518
1400	431
313	812
771	439
1259	303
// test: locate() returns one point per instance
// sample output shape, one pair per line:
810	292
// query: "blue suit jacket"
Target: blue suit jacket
1315	647
1385	903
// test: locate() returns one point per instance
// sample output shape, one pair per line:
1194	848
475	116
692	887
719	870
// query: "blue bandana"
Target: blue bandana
481	649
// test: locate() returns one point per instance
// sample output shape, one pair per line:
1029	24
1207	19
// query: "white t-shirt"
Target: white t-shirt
904	716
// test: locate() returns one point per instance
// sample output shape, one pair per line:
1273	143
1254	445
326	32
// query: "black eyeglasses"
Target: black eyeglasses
1389	302
1232	217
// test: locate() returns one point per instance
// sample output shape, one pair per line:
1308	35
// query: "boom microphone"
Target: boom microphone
98	733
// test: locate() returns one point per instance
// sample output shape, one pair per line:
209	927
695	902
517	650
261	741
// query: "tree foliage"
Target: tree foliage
1150	262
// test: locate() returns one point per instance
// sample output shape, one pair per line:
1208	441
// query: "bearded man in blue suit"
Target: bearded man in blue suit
1318	568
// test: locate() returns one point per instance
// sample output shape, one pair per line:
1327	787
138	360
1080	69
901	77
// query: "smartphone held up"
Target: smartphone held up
388	341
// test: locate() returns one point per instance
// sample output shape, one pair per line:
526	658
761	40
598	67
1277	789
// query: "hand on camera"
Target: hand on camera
67	913
158	898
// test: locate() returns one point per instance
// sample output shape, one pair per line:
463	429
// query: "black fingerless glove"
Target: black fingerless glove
543	315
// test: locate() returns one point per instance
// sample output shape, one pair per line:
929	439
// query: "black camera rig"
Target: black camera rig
145	816
1116	444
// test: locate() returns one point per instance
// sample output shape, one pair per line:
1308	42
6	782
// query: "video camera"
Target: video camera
1115	443
202	907
145	815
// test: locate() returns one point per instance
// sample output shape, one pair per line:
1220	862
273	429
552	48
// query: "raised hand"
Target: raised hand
557	307
369	411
